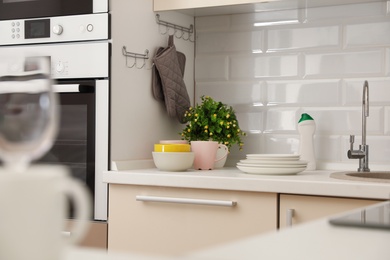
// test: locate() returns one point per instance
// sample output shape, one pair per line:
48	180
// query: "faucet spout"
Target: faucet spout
365	111
362	153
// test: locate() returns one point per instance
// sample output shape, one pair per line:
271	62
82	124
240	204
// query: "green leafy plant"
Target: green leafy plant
213	121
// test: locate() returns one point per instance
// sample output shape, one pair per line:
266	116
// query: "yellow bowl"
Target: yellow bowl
172	148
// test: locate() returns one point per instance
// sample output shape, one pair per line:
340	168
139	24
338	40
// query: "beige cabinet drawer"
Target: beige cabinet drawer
190	220
296	209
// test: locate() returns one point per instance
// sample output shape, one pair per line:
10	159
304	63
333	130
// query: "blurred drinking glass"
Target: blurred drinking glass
28	110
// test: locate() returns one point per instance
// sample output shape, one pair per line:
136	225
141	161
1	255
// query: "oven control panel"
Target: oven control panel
55	29
68	60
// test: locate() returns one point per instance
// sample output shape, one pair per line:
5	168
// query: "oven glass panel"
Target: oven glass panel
75	144
24	9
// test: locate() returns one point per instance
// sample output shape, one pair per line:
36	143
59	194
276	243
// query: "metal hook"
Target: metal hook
181	36
135	56
127	65
189	30
186	39
166	29
143	65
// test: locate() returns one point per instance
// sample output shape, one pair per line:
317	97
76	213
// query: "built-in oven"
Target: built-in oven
75	34
80	72
23	9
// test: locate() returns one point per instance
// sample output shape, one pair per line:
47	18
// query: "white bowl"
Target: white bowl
174	161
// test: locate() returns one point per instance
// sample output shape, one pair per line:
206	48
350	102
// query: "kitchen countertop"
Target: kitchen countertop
313	240
305	183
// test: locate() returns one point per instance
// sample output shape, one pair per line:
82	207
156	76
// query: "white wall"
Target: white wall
137	119
313	61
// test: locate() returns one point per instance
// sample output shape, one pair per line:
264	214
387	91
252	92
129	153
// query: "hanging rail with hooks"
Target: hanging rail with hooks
136	56
188	30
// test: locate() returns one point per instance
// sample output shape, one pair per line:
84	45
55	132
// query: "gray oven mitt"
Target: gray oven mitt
167	80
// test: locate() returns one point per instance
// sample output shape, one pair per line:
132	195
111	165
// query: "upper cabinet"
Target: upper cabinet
217	7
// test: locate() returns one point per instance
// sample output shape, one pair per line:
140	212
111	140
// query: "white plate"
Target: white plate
273	156
272	165
273	162
271	171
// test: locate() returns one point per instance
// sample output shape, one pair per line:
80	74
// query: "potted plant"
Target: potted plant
212	120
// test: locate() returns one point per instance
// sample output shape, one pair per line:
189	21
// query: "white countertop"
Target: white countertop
314	240
304	183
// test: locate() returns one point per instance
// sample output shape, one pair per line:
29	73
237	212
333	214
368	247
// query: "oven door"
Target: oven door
22	9
80	145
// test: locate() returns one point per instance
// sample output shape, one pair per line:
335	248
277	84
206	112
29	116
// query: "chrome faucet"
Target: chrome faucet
362	153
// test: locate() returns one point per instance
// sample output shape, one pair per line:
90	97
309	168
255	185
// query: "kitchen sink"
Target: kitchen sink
374	176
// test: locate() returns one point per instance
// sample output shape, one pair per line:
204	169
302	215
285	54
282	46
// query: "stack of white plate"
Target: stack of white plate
272	164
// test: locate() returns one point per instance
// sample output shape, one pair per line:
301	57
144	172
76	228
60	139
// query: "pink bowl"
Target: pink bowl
173	142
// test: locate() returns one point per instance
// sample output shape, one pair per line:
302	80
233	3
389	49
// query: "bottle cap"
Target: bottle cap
305	117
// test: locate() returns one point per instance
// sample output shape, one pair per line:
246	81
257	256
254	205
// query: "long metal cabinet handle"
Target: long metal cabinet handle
289	217
224	203
66	88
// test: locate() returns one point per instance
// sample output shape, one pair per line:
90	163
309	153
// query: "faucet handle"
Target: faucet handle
351	141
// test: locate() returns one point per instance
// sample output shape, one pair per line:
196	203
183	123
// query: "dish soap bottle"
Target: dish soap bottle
306	128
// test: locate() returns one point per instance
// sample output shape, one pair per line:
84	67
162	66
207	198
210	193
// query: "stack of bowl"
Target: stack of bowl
173	155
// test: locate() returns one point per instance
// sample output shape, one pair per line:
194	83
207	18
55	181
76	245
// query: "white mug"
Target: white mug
33	209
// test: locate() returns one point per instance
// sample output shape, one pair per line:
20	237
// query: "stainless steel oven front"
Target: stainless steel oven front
81	75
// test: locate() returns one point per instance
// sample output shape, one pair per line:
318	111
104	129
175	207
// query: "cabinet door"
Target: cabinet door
168	228
96	235
296	209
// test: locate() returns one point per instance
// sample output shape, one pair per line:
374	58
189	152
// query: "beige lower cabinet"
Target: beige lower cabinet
95	237
296	209
171	221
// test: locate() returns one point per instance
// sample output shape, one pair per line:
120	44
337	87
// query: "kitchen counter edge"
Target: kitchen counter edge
305	183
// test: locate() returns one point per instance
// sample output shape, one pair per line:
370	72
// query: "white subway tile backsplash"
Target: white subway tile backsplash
212	23
214	42
243	21
358	64
234	93
281	120
388	7
342	12
272	66
255	66
346	120
387	120
281	144
251	122
327	148
379	149
298	38
309	92
367	34
379	91
211	68
253	143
